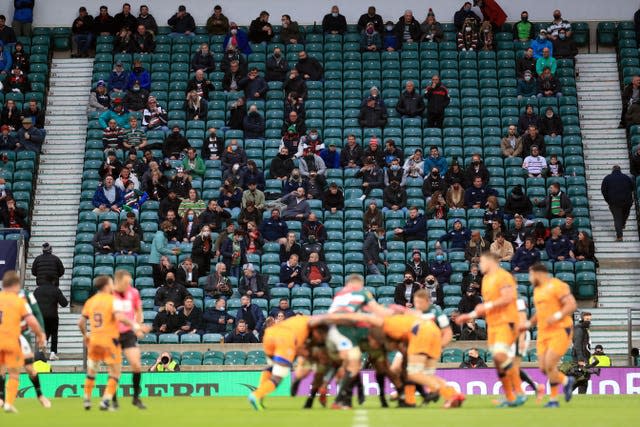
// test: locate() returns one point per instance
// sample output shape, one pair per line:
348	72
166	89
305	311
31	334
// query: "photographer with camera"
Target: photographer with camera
582	339
165	363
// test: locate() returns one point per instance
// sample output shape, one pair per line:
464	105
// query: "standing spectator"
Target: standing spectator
260	30
290	31
334	22
160	246
22	17
374	248
373	17
218	23
407	29
582	340
277	67
410	103
309	67
438	99
182	23
236	40
81	29
617	190
540	43
49	297
234	252
431	29
147	19
463	14
523	30
7	35
47	268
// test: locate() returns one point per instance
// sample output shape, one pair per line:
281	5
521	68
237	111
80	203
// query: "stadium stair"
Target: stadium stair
605	145
58	187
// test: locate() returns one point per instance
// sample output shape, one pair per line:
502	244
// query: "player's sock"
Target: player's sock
35	380
526	378
514	375
561	378
112	387
135	378
1	387
265	376
12	391
264	389
410	394
507	384
555	390
345	388
89	383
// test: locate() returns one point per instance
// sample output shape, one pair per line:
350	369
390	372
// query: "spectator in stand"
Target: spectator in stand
180	185
16	80
126	242
440	268
296	204
540	43
216	318
371	115
410	103
472	332
107	197
390	42
8	142
234	253
254	86
104	24
407	29
154	116
373	217
370	40
182	23
295	103
110	166
535	164
253	123
467	38
140	75
517	203
99	99
313	229
525	256
187	274
290	31
146	19
192	318
569	230
125	19
236	40
501	248
309	67
237	113
168	321
212	146
20	57
218	285
473	360
289	246
554	167
170	291
418	268
414	165
136	98
523	30
274	229
630	96
433	183
436	161
371	16
290	273
395	172
431	29
470	298
557	204
438	99
463	14
352	154
414	229
282	165
394	197
511	144
82	33
10	115
551	125
374	248
195	106
564	47
475	247
526	63
118	79
175	145
617	190
558	247
528	118
437	206
117	112
476	196
558	24
260	30
527	87
315	273
333	199
405	290
530	138
334	22
546	61
192	164
277	67
199	82
218	23
142	40
584	249
103	239
34	112
253	284
242	334
6	61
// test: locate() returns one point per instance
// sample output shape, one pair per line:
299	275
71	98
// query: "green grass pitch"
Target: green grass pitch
284	412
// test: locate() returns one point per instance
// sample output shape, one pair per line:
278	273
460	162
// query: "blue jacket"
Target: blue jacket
23	10
6	61
99	197
118	81
440	163
416	228
538	45
226	250
254	311
159	247
331	160
253	125
473	196
390	40
442	271
617	189
456	239
524	258
558	247
143	77
273	230
250	87
243	42
286	271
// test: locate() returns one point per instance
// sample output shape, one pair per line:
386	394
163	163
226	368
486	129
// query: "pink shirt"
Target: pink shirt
129	303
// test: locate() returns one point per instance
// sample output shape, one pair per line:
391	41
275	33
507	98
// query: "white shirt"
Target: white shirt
534	165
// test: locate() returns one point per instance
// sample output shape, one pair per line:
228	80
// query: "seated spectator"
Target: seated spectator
390	42
473	360
236	39
127	241
440	268
501	248
136	98
415	228
475	247
464	13
551	124
212	146
539	43
168	321
195	106
467	38
392	152
434	289
20	58
405	290
511	144
82	33
260	30
548	85
351	154
230	197
283	306
118	78
410	103
123	41
557	204
395	172
370	40
315	273
140	75
407	29
475	197
104	239
470	299
200	84
192	317
527	86
295	103
334	22
418	268
252	283
170	291
525	256
531	138
470	331
187	274
142	41
192	164
147	19
277	67
182	23
431	29
112	136
290	273
296	204
282	165
455	196
414	165
218	285
290	31
180	185
564	47
437	206
436	161
107	197
104	24
218	23
134	138
192	202
232	78
558	24
333	198
203	60
293	124
16	80
584	249
175	145
234	252
394	197
372	177
125	18
8	142
535	164
313	229
554	167
433	183
252	192
373	218
99	99
254	86
253	124
526	63
454	173
289	246
471	278
241	334
546	61
517	204
523	30
310	144
117	112
569	229
154	116
309	67
558	247
215	319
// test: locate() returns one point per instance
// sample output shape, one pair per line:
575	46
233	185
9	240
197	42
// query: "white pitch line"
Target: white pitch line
360	418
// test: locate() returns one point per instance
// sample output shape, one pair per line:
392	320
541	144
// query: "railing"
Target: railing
633	313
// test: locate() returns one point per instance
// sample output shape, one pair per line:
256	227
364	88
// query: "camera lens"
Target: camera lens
165	360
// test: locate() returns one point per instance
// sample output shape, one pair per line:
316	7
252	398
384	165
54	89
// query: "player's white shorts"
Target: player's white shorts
25	346
336	341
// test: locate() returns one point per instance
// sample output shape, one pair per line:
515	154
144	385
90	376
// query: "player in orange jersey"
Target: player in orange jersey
554	307
499	293
13	310
282	343
103	313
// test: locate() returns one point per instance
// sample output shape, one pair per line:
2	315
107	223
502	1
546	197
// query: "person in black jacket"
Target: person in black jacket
517	203
564	47
438	99
215	319
617	190
407	29
526	63
410	103
557	204
170	291
277	67
295	85
405	290
175	144
49	297
308	67
260	30
463	14
200	84
47	268
182	23
630	95
203	60
253	284
374	246
241	335
551	124
371	16
371	115
417	266
334	22
168	321
81	29
212	146
581	340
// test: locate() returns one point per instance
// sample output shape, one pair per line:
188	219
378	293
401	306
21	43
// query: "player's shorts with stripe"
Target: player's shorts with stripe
425	340
128	340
